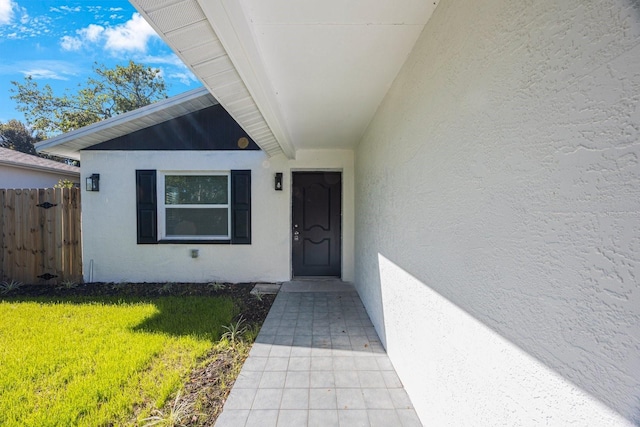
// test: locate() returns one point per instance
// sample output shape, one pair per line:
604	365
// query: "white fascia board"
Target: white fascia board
229	22
121	119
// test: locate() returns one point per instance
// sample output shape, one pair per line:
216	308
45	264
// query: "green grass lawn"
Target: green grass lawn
96	361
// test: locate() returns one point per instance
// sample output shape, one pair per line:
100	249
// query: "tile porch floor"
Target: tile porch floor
317	362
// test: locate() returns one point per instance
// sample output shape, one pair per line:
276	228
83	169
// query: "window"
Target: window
183	207
195	206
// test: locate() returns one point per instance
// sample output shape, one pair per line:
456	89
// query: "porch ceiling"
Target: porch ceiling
294	74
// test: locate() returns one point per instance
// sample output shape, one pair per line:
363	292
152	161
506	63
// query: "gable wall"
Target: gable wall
211	128
110	251
498	215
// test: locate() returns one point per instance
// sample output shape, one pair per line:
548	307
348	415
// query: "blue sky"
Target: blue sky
57	43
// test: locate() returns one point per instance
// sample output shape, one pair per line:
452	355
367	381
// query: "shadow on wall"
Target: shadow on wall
455	366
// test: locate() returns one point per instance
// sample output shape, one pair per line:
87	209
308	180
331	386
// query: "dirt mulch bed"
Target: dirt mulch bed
208	385
253	309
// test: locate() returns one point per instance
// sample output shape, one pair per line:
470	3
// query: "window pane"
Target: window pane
197	222
195	189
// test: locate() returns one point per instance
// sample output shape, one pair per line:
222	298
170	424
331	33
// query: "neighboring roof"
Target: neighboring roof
69	144
28	161
309	74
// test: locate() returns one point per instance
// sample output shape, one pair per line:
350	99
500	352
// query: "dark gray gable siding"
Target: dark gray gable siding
211	128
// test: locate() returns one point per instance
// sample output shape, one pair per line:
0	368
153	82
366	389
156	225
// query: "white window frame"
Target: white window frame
162	207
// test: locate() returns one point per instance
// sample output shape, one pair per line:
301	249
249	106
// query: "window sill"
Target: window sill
194	242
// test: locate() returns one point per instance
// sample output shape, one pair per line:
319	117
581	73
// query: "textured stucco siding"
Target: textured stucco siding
18	177
498	215
110	251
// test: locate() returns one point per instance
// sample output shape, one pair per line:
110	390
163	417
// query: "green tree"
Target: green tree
64	183
109	93
17	136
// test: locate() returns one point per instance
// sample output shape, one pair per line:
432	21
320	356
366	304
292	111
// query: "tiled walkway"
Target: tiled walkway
317	362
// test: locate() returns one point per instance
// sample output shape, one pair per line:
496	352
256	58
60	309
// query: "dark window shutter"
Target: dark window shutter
241	207
147	206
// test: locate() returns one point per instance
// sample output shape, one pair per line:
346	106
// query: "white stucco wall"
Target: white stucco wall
110	251
498	215
19	177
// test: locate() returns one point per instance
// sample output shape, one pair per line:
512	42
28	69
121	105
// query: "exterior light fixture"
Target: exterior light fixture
278	181
93	182
243	142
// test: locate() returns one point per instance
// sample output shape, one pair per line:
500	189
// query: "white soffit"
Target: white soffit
188	31
331	62
315	70
69	144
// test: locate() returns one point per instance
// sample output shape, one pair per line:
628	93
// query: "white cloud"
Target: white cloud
185	78
92	33
44	69
171	59
41	73
70	43
6	11
132	36
24	16
176	69
70	9
15	22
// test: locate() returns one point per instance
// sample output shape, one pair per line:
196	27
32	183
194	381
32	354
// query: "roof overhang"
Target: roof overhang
192	30
293	74
69	144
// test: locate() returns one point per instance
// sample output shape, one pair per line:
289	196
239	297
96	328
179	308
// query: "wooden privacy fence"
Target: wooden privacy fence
40	235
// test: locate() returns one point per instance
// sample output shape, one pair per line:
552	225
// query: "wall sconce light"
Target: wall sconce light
278	181
93	182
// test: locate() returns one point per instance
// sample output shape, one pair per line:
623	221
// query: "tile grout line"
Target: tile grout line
345	372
